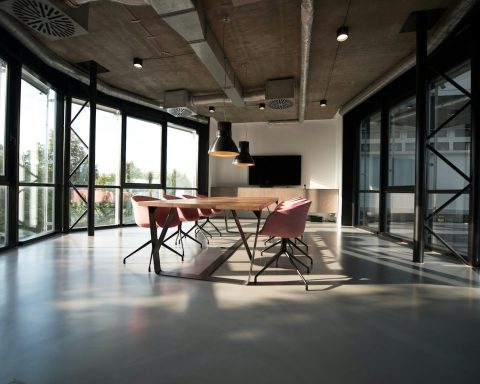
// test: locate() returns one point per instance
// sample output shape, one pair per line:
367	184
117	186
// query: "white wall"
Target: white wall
318	141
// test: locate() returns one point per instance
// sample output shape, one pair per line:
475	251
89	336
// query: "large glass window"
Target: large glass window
400	214
3	188
36	157
143	152
3	215
401	146
127	205
3	110
182	159
401	168
369	171
450	124
107	164
108	137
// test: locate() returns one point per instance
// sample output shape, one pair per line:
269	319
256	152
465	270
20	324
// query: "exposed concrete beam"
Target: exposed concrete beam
189	22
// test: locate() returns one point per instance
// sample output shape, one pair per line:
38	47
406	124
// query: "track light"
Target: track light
261	106
323	103
342	33
137	62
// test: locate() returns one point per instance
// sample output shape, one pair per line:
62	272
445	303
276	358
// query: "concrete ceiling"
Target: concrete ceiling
262	42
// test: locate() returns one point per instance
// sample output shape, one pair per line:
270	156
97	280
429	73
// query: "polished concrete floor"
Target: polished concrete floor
71	312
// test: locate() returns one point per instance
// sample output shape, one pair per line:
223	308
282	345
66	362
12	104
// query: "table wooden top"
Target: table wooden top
222	203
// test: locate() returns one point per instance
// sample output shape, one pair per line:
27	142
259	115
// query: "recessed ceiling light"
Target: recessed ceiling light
342	33
323	103
137	62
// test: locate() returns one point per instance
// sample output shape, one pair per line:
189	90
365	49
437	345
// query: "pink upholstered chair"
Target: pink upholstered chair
204	214
207	220
143	221
281	206
185	215
288	222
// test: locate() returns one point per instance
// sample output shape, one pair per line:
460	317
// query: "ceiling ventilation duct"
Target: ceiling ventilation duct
44	17
177	102
280	93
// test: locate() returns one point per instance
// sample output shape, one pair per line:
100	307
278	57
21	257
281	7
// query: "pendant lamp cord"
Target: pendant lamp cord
225	21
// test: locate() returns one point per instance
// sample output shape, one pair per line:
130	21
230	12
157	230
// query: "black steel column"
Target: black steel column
474	224
11	150
421	138
91	149
66	160
163	156
59	156
382	209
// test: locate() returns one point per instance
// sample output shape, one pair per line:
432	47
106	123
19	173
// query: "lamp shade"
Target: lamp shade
244	159
224	145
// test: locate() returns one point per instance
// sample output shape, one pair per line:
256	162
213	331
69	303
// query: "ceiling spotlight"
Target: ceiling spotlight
323	103
342	33
261	106
137	63
211	109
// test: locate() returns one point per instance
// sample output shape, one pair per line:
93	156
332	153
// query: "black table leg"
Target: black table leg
259	216
157	243
242	235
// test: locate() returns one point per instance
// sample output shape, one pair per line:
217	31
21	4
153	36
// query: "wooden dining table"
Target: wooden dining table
230	204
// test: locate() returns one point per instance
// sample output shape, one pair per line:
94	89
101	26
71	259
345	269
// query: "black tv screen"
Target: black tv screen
269	171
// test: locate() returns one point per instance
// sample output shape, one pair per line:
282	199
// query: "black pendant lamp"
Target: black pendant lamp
224	145
244	159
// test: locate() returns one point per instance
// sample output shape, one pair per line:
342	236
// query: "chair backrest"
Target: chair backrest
288	222
185	214
289	202
202	211
141	215
206	197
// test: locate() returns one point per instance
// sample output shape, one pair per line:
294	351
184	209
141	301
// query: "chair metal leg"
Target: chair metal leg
207	221
299	261
185	234
302	242
138	249
270	246
268	240
269	262
299	273
290	257
198	228
213	225
301	251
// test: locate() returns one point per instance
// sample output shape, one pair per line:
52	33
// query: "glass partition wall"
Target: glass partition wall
448	165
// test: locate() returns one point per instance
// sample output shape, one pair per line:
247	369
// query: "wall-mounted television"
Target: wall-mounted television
275	170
